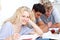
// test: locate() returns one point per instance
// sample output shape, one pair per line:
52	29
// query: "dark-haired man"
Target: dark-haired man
39	10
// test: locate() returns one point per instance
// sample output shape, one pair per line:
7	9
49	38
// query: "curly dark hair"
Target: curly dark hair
39	8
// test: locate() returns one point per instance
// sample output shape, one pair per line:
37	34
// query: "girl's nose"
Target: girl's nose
26	19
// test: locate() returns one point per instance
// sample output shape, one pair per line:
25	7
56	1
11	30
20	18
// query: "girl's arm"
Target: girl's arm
37	29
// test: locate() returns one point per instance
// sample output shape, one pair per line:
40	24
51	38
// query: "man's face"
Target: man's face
37	14
48	12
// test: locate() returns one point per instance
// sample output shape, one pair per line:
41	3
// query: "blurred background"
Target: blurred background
8	7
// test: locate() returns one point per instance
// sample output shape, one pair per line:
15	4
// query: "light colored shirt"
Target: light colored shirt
7	30
38	20
56	15
25	30
49	19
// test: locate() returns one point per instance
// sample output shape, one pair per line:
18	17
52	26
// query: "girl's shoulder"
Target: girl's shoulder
8	23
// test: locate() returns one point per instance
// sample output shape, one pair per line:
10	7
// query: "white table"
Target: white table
51	36
28	37
45	35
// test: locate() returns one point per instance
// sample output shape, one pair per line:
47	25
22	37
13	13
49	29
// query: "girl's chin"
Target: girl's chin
24	23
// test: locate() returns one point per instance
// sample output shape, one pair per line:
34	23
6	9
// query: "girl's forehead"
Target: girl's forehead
25	13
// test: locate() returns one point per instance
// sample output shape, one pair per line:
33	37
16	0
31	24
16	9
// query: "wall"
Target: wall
57	6
8	7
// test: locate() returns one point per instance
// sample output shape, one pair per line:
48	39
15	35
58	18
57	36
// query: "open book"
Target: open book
28	37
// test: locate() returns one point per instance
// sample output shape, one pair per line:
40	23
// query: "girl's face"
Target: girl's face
25	17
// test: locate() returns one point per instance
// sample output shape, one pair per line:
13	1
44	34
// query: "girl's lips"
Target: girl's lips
28	39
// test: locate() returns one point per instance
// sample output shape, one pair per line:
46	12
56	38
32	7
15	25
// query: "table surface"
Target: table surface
45	35
51	36
33	37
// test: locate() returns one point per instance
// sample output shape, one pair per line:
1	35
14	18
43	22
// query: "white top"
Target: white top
56	15
7	30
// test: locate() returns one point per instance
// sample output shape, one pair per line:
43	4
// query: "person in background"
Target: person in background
52	16
39	10
16	26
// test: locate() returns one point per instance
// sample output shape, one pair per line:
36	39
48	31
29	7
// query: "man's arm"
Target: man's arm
43	26
56	25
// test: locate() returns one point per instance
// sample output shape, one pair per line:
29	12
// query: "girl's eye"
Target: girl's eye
27	16
23	16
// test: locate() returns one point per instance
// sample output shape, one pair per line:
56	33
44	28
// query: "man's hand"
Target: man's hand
49	24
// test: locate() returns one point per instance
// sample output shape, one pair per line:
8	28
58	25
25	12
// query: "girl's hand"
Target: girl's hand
16	36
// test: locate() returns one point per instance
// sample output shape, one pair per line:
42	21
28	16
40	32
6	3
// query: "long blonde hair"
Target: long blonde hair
16	17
